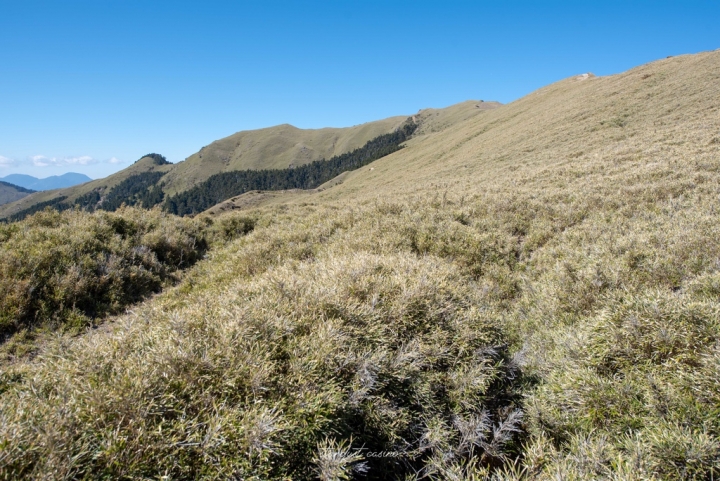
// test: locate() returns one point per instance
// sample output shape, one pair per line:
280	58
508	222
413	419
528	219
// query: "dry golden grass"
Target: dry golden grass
64	269
282	343
530	292
576	135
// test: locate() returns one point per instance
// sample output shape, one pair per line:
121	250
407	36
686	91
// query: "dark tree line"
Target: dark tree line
17	187
152	196
90	200
139	189
220	187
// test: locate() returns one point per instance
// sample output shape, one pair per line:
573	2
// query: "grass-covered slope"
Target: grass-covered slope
318	334
276	147
220	187
527	293
11	193
146	188
586	132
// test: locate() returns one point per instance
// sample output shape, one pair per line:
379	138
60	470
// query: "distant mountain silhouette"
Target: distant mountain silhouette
54	182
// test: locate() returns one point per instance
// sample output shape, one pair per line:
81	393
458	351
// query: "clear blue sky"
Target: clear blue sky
90	86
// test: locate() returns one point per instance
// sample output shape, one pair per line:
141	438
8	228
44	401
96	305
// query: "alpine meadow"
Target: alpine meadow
528	291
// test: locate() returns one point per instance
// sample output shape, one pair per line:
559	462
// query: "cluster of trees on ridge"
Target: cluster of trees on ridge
145	189
141	189
157	159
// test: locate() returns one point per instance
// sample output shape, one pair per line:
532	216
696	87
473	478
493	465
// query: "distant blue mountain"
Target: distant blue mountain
48	183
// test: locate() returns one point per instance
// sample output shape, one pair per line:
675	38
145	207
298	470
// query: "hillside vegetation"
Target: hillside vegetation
83	195
11	193
67	268
276	147
137	185
146	188
527	293
221	187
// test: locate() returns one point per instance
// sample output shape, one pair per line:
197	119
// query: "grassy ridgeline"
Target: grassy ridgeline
223	186
68	269
146	188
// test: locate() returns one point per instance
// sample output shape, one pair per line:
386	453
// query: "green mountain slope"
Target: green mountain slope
98	187
273	148
597	129
11	193
220	187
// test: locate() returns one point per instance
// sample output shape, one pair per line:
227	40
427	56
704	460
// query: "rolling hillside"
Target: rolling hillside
100	186
528	292
11	192
274	147
586	132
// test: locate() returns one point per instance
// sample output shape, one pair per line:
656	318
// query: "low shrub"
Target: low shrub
64	269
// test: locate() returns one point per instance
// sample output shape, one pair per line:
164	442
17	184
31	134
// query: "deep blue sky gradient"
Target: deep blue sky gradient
100	79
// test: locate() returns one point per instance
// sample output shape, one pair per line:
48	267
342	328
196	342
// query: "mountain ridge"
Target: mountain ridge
273	147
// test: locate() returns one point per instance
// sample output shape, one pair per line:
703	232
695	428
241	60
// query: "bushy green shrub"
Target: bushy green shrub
65	268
